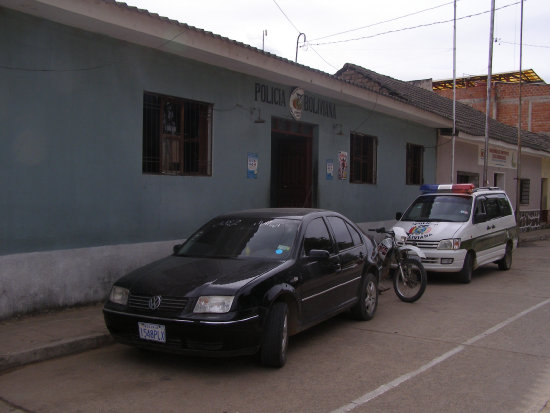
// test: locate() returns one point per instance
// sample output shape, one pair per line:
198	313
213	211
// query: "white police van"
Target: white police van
460	227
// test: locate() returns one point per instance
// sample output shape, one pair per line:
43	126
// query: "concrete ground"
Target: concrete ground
37	337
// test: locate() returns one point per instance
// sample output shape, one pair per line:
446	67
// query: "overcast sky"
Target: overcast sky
404	39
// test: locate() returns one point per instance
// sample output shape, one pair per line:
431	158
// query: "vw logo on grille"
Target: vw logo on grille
154	302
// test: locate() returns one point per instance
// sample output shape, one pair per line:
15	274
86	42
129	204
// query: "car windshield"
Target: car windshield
243	238
444	208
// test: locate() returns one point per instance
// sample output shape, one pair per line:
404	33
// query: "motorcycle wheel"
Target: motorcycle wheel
412	285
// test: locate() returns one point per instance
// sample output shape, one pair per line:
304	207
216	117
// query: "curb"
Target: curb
62	348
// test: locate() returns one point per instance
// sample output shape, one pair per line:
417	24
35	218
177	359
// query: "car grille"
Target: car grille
168	305
423	244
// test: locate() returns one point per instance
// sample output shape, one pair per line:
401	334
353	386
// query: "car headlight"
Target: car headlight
449	244
119	295
213	304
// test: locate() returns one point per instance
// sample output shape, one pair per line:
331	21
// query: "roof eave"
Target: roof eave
123	22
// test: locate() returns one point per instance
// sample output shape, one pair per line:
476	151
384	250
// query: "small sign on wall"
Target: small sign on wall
330	169
342	165
252	169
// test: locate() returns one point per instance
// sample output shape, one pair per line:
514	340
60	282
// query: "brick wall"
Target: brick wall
535	106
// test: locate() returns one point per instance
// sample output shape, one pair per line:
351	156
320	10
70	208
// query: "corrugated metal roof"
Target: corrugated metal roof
527	76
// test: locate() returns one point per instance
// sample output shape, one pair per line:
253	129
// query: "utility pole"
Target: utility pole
454	100
488	103
518	167
264	34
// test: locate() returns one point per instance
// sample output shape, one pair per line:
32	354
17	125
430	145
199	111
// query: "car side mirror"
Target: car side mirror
319	255
176	248
398	215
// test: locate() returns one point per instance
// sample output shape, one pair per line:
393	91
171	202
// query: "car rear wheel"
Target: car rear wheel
368	299
275	341
505	263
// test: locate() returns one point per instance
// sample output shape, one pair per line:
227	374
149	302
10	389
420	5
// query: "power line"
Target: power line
298	30
385	21
284	14
525	44
412	27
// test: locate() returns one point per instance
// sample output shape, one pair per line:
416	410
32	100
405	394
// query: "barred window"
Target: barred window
524	189
177	136
362	159
415	164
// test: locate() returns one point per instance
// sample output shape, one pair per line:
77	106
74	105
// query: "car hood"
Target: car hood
185	276
430	231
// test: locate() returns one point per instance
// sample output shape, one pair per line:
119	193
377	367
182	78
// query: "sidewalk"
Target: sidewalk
44	336
38	337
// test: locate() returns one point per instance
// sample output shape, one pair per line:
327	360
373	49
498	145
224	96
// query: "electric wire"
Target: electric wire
411	27
383	22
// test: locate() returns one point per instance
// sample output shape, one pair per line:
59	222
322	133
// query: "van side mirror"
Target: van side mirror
398	215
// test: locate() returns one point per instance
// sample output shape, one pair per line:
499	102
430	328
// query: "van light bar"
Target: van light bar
456	188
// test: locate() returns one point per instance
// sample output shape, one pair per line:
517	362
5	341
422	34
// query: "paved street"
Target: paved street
481	347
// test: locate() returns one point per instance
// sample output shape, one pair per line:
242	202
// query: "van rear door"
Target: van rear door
489	234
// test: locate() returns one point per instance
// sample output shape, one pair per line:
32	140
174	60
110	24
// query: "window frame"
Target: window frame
182	147
524	191
364	161
414	164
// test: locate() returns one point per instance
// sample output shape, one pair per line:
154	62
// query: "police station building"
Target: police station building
123	131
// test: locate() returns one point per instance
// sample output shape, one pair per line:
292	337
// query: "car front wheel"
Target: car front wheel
465	275
275	341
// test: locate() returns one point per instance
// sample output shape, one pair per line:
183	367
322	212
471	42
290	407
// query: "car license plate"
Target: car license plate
152	332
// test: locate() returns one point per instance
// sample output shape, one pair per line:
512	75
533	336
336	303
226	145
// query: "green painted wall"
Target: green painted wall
71	137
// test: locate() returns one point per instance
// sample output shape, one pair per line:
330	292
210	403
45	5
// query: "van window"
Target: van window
491	206
504	205
443	208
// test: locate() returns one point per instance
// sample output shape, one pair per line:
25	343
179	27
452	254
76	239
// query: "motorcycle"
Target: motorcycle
401	263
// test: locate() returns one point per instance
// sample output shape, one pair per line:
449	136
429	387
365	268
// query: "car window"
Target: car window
443	208
357	239
243	238
341	233
317	237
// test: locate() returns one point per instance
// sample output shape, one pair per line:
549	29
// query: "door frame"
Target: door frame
285	129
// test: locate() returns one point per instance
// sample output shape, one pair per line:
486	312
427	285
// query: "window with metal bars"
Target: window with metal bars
524	189
177	136
362	159
415	164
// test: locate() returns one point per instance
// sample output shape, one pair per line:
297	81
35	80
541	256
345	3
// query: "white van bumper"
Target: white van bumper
443	260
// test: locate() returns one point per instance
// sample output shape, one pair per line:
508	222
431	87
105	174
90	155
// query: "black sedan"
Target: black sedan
246	281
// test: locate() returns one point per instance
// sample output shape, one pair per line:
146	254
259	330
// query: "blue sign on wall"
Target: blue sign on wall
252	170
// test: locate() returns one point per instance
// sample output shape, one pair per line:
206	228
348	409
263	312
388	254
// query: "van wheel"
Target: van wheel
275	341
505	263
465	274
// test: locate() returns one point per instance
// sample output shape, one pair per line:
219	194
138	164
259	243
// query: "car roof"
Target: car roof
296	213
